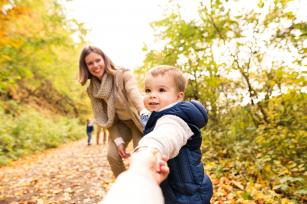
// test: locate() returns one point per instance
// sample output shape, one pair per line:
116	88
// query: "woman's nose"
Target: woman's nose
95	64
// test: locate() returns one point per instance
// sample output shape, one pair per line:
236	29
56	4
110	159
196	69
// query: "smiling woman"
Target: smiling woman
116	102
95	65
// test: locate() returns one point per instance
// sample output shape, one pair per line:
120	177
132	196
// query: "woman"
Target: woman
104	132
116	102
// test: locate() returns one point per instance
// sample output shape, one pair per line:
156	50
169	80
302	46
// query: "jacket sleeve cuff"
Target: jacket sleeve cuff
118	141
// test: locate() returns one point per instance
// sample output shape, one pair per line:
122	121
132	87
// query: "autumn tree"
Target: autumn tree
245	62
38	53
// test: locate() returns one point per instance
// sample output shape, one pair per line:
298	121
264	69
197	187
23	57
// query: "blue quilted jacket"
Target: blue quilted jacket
187	182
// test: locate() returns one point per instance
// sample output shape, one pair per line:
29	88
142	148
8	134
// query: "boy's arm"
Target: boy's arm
168	136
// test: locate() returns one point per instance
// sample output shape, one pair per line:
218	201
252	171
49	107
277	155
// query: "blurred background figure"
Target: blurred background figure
105	134
89	130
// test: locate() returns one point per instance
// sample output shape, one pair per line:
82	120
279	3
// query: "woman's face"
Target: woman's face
95	64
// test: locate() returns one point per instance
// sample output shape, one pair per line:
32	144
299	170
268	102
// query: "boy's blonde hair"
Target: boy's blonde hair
171	71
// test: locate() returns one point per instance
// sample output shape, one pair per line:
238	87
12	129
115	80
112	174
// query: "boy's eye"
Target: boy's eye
162	90
147	90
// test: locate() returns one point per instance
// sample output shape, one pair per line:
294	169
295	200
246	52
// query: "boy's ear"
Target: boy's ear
180	95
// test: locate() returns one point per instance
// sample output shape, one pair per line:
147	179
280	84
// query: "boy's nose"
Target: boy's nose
152	95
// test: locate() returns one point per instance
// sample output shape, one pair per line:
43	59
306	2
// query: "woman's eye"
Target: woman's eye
97	60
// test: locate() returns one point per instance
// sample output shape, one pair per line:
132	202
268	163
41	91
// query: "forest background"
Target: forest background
248	68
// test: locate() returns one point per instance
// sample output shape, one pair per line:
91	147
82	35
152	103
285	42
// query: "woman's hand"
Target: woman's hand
122	151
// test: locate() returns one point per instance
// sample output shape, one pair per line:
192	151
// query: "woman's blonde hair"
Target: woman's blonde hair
176	74
84	73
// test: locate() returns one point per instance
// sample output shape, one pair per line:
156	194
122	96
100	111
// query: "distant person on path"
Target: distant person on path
89	130
140	183
173	129
104	132
116	102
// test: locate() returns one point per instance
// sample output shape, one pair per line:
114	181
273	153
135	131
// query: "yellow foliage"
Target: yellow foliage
286	201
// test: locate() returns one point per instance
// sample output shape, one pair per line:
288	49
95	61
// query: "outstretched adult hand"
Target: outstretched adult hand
150	162
140	183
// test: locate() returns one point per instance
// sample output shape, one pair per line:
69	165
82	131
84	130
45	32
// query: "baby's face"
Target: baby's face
160	91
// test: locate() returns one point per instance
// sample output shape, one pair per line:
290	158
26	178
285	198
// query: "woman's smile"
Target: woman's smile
95	64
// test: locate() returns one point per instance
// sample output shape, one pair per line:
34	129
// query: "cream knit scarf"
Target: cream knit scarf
103	90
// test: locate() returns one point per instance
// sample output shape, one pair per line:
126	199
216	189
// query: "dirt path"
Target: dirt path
72	173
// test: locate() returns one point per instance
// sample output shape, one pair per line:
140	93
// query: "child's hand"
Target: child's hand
162	170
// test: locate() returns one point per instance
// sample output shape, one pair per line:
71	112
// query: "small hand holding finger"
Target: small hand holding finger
163	169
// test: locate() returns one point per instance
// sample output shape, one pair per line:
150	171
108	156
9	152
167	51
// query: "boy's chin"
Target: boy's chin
153	109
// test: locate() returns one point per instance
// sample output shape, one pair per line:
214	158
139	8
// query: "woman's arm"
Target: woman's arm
133	93
168	136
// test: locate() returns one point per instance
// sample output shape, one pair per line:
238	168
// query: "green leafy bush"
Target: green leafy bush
32	131
273	154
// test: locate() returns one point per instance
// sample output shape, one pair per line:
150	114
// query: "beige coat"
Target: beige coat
126	90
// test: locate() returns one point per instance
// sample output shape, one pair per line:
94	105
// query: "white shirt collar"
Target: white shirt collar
168	106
